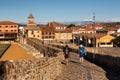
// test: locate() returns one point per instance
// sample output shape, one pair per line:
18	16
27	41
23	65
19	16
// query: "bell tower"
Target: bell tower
31	22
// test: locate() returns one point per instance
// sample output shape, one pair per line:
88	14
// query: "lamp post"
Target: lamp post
73	34
66	39
94	41
94	30
58	30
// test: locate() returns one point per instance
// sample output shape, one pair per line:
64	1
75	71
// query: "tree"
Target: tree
116	41
71	25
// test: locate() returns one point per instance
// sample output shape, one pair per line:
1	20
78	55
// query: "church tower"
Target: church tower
31	22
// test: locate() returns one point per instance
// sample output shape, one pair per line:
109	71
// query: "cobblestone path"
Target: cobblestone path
81	71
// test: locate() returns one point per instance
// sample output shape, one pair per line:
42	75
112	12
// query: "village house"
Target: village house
8	31
105	41
53	31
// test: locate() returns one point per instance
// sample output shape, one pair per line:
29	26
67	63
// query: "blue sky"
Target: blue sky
59	10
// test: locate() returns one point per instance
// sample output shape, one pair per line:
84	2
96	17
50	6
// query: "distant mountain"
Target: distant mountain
78	22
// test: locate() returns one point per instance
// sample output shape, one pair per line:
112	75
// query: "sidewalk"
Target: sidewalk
16	52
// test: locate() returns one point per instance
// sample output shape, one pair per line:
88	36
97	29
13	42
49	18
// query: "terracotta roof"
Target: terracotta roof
76	27
106	38
47	29
55	24
93	26
68	30
8	23
111	28
93	35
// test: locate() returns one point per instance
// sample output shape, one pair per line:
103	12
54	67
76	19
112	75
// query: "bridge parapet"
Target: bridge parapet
34	69
109	57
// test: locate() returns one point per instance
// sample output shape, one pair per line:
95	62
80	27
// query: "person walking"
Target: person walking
81	53
66	51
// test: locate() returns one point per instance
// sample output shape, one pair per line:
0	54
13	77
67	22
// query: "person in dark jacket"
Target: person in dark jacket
66	51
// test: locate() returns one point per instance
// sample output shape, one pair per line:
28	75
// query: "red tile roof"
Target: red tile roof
111	28
55	24
92	35
8	23
47	29
92	26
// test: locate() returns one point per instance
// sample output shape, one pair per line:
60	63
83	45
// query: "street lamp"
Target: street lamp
73	34
58	29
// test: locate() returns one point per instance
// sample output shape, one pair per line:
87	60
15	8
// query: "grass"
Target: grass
3	47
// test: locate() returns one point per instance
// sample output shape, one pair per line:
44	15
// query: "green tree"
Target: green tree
71	25
116	40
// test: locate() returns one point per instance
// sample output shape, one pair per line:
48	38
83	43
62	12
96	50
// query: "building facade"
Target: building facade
8	30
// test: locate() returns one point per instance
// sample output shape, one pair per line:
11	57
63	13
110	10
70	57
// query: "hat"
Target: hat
81	45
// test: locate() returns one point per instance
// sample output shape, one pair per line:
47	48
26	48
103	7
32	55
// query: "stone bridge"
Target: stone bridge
110	62
109	57
103	66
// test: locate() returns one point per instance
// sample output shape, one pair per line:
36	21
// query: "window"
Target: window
11	26
0	30
102	43
91	32
1	35
49	33
38	35
6	26
6	30
42	33
32	32
15	30
0	26
38	31
46	37
109	43
14	26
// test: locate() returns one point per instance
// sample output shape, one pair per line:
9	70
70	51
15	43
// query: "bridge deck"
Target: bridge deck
85	71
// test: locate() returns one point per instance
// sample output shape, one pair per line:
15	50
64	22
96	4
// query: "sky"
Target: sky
59	10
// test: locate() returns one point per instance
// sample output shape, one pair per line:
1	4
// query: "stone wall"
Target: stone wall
44	49
108	61
35	69
100	57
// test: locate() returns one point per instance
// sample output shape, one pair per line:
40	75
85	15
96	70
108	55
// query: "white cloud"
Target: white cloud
112	20
87	20
115	19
